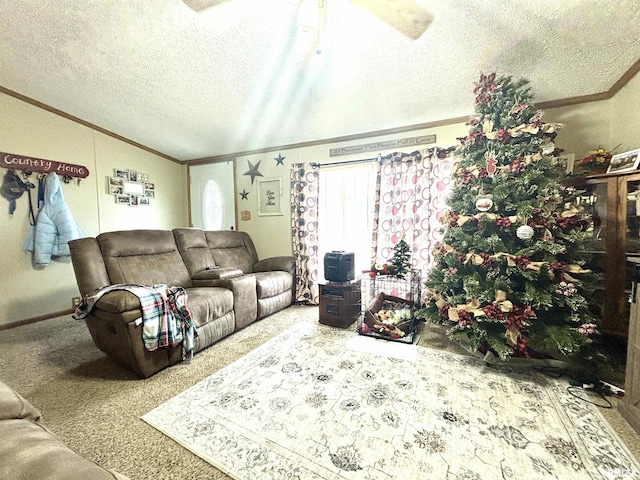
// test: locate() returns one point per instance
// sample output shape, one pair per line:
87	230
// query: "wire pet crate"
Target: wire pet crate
390	304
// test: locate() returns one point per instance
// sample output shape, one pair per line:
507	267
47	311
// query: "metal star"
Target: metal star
253	171
279	160
244	194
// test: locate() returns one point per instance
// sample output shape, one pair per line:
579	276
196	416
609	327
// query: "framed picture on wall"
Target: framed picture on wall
269	197
624	162
124	174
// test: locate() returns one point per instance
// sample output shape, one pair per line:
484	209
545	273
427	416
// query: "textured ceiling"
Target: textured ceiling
242	76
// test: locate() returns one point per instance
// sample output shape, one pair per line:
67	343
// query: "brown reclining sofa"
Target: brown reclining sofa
28	451
227	286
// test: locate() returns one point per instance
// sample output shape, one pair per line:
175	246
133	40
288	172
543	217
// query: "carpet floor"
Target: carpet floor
95	406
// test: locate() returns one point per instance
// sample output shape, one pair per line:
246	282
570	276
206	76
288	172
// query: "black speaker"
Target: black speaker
338	266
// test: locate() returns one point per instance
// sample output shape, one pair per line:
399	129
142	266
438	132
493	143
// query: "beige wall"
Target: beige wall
625	117
26	130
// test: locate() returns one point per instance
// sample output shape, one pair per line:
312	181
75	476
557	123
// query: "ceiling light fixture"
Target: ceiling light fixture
406	16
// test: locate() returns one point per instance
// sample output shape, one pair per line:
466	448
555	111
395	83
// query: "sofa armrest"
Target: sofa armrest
217	273
119	302
285	264
14	406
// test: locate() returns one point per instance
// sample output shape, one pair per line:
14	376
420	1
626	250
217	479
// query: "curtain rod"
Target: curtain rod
347	162
380	158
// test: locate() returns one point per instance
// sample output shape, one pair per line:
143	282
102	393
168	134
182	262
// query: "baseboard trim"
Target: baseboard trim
27	321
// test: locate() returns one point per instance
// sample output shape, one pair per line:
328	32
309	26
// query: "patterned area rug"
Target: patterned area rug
305	406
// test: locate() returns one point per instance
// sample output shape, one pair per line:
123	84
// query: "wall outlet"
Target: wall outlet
75	302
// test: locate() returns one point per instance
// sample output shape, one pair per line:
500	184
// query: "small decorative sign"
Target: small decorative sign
245	215
269	197
41	165
377	146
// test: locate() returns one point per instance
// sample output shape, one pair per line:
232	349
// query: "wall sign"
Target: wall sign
269	194
41	165
377	146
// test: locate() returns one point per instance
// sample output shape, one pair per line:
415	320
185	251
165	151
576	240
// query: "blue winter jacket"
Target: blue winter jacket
55	225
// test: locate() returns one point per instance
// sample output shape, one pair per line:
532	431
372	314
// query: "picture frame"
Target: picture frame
122	199
133	188
116	181
119	173
569	160
624	162
130	187
269	197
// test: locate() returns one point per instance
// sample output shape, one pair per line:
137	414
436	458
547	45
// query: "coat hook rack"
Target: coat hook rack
28	165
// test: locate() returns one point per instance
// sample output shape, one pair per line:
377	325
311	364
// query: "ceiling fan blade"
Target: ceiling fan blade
198	5
405	16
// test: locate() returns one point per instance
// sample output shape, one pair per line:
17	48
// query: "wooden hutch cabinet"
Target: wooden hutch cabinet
614	200
629	406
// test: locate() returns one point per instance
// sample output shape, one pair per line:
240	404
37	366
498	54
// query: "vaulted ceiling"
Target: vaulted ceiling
244	75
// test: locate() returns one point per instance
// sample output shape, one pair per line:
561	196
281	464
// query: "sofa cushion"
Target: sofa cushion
28	451
270	284
208	303
143	257
12	405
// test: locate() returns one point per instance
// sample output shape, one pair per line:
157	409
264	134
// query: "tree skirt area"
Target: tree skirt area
308	405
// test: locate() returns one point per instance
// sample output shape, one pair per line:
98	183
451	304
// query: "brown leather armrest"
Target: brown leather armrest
218	273
285	264
118	301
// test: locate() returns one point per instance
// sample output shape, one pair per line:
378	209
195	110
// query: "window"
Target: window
345	212
212	206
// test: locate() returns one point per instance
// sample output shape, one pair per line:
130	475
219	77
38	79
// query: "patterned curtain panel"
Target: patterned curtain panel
412	191
304	225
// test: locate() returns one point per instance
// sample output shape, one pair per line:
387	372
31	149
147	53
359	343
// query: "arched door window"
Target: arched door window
212	206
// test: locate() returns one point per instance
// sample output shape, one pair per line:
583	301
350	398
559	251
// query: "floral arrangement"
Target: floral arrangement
596	160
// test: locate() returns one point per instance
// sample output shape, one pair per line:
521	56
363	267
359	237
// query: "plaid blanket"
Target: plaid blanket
165	318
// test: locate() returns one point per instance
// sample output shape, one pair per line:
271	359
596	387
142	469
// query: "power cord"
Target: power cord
600	388
573	389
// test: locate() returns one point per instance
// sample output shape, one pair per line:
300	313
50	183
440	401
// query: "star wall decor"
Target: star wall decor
279	160
253	171
244	194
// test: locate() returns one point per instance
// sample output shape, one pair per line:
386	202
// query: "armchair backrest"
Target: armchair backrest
145	257
193	247
232	248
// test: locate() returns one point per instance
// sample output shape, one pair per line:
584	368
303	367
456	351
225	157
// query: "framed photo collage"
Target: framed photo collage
130	187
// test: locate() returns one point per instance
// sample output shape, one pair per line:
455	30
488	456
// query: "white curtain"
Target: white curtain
346	203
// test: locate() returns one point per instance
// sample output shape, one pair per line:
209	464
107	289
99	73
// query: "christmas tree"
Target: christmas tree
401	260
510	271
